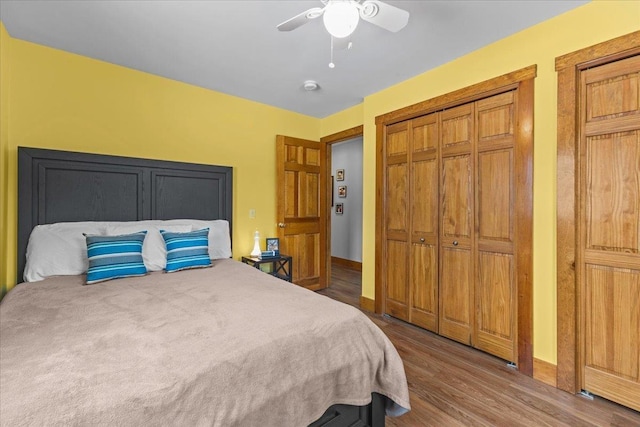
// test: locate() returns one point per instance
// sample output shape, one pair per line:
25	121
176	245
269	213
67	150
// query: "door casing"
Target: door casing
569	67
326	190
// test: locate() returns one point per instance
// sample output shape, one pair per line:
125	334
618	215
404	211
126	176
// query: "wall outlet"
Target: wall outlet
252	213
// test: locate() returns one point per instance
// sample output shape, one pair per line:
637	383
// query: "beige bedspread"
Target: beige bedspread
224	346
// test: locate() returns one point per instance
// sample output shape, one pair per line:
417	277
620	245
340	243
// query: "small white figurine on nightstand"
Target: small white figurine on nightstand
256	252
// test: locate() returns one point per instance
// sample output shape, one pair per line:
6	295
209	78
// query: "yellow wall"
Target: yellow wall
346	119
587	25
4	143
64	101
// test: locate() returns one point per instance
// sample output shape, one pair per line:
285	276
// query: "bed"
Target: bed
225	345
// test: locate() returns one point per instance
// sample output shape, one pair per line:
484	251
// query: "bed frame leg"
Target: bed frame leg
371	415
378	404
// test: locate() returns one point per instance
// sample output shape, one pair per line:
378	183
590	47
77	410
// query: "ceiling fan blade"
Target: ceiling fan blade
301	19
384	15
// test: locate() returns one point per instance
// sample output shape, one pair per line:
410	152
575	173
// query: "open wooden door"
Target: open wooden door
301	171
610	231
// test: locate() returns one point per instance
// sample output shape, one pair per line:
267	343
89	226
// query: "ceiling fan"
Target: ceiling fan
341	17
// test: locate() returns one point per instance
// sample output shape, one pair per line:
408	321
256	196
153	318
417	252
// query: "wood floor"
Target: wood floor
453	385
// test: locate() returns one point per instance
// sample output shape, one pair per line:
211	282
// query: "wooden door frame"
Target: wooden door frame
569	67
326	189
522	80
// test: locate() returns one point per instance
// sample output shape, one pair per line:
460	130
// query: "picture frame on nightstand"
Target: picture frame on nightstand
273	244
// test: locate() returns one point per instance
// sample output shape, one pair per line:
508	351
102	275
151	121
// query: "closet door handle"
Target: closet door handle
422	240
455	243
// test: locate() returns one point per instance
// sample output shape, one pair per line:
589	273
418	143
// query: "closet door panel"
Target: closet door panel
456	198
397	140
397	222
495	119
455	285
424	209
424	179
495	196
425	134
457	129
424	286
423	279
495	279
495	297
397	293
397	199
456	223
424	242
495	285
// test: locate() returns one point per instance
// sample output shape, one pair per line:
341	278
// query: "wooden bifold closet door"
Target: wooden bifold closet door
412	222
449	223
457	218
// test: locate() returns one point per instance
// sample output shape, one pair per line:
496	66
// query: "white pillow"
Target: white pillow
59	249
219	237
154	251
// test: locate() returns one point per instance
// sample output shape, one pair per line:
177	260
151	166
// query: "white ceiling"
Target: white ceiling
233	46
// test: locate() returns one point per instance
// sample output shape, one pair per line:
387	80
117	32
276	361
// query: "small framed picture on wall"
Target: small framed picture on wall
339	174
342	191
339	208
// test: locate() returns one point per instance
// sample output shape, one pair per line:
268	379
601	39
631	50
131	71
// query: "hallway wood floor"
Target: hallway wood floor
454	385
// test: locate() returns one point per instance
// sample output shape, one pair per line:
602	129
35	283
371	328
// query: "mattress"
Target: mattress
223	346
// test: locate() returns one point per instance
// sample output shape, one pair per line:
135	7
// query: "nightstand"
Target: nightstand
281	266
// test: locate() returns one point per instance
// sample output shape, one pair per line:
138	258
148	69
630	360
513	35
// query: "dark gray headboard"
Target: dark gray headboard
61	186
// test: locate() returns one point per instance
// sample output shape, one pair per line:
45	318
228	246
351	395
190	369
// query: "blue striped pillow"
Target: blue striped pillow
114	257
186	250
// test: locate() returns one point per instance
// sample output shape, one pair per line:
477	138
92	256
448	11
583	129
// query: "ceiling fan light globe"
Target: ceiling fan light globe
340	18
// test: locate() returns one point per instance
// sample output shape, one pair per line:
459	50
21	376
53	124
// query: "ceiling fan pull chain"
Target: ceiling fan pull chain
331	64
